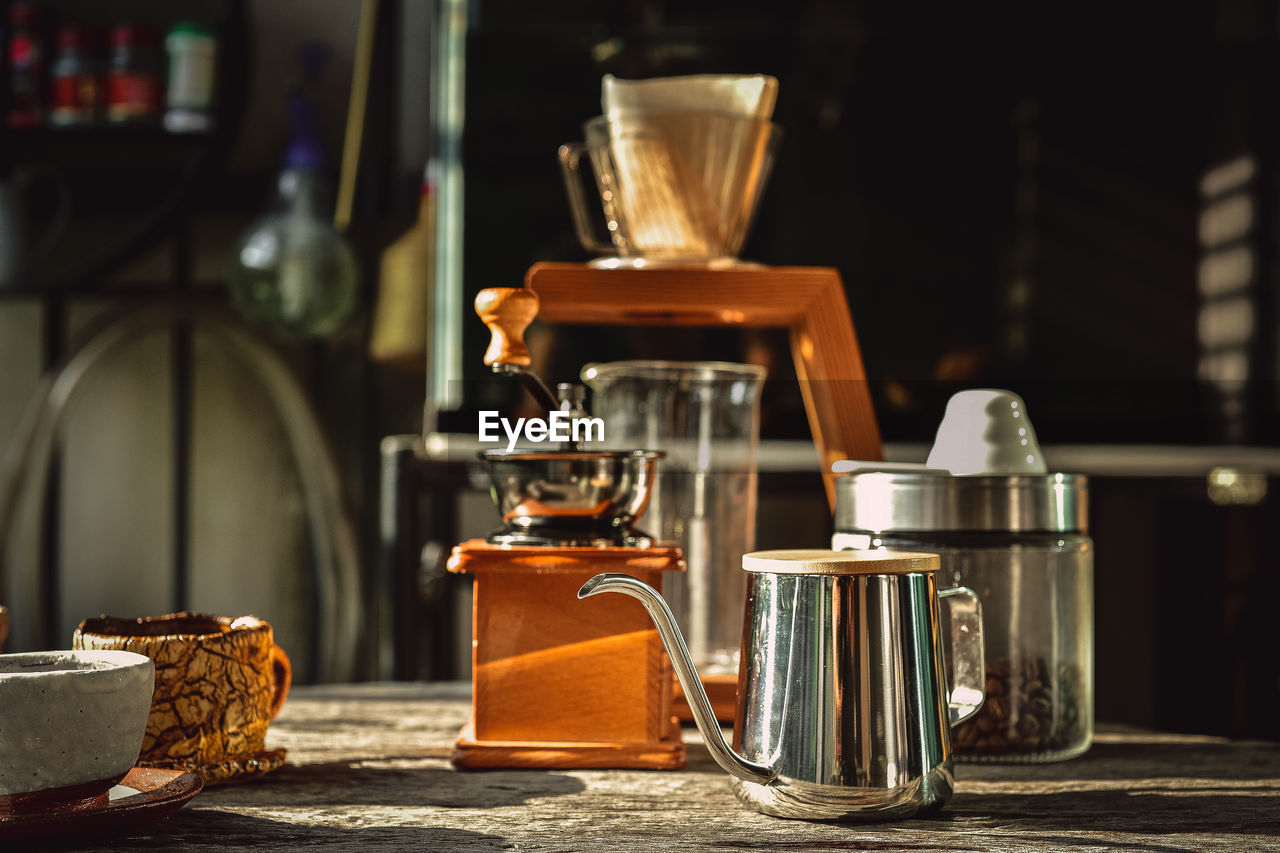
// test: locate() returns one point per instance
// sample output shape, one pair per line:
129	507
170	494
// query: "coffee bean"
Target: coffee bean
1026	711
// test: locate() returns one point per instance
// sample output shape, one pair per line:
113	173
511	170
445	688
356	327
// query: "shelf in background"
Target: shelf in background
210	290
1113	460
83	149
106	193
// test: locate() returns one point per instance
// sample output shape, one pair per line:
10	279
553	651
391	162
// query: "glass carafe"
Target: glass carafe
706	417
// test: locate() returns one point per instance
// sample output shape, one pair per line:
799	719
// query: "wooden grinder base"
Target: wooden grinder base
559	682
722	690
472	754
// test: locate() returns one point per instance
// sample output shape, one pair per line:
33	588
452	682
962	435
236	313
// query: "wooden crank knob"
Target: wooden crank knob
507	311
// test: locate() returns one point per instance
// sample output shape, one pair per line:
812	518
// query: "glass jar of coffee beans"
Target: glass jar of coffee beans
1019	542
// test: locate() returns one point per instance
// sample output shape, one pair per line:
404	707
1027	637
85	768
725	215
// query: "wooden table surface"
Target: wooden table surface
369	770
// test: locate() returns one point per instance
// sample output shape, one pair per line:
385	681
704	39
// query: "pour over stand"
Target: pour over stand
807	301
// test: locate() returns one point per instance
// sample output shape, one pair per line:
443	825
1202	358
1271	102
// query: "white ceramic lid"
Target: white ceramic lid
986	431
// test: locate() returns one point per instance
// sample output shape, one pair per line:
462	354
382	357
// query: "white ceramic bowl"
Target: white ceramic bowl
71	718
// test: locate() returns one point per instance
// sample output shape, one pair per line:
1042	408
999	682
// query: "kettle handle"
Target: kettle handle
967	684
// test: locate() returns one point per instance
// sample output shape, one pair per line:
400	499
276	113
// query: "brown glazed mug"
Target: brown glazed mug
219	683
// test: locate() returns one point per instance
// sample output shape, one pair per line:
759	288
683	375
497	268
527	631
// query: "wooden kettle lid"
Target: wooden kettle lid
816	561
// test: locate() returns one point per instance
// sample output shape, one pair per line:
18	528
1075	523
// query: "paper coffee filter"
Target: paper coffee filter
747	95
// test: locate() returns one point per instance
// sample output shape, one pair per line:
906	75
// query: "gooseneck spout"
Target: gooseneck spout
748	771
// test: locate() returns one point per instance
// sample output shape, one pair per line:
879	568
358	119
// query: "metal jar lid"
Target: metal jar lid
885	501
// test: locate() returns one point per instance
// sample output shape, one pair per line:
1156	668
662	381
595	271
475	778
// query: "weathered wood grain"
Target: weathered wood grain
369	770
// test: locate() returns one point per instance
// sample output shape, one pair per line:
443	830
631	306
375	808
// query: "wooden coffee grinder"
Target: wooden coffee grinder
558	682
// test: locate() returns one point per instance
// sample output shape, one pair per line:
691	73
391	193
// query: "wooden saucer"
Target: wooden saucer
159	793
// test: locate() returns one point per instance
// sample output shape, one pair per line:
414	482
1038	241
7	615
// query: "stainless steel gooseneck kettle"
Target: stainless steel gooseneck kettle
844	711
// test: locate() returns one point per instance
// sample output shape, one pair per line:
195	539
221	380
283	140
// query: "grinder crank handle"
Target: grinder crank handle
533	384
508	311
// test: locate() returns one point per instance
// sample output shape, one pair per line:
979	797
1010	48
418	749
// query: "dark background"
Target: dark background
1009	192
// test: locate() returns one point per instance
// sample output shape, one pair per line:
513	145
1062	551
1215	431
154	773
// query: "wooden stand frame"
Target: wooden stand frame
809	301
560	682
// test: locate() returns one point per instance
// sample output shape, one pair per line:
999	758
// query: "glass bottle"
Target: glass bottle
193	55
292	270
28	66
133	80
77	80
